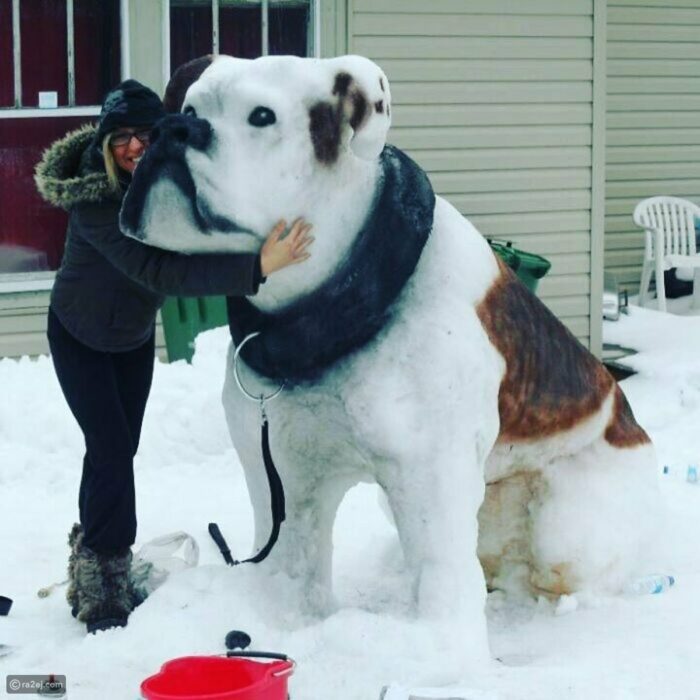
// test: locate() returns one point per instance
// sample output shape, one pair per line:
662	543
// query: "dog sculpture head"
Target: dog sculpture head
256	141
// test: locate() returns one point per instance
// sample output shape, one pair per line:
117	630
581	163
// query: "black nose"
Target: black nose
177	131
170	139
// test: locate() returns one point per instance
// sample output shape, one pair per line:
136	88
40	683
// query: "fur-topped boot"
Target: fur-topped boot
99	589
75	540
104	596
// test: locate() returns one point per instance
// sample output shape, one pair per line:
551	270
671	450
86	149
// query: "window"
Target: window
68	51
241	28
58	58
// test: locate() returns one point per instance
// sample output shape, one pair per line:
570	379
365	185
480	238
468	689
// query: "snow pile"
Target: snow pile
665	394
627	648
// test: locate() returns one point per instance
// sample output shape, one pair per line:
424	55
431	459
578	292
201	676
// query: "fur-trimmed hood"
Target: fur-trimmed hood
71	171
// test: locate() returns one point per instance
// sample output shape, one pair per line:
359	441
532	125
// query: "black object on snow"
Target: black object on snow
676	287
5	605
237	639
105	624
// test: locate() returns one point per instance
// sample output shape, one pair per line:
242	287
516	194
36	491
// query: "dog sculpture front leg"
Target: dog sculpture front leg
305	548
313	489
437	526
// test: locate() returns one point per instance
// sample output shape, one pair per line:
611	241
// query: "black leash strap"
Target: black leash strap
277	504
216	535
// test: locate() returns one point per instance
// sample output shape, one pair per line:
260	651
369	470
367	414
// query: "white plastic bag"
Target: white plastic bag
160	557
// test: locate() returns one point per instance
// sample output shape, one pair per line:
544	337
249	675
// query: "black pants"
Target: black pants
107	393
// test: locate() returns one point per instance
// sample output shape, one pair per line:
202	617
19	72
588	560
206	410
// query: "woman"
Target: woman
101	331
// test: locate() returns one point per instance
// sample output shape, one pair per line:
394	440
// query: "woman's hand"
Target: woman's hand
279	250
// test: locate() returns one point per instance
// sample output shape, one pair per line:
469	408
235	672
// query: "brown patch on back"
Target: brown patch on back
623	430
187	74
552	382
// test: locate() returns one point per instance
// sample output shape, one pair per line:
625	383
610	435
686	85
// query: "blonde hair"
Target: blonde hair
110	165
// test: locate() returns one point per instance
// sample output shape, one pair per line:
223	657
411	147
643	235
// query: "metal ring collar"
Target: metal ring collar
253	397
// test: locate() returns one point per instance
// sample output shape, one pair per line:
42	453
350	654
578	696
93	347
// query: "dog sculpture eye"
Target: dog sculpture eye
261	116
190	111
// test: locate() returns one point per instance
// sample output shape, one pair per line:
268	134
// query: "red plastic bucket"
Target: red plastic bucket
219	678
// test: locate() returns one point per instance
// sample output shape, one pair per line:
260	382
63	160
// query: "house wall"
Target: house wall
653	121
23	325
495	99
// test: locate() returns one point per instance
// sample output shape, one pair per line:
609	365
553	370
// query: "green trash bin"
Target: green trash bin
184	318
529	268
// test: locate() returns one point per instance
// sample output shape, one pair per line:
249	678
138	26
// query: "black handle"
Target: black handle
499	241
221	543
257	654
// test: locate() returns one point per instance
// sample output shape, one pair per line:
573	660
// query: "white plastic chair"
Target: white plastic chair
669	224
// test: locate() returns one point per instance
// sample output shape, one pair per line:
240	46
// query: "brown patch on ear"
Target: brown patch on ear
623	430
552	382
342	84
359	108
326	119
324	126
180	81
379	106
352	100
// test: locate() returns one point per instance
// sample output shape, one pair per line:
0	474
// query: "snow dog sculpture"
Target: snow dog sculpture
412	356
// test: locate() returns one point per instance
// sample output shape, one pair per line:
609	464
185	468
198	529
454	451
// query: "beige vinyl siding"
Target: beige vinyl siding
494	98
23	325
653	118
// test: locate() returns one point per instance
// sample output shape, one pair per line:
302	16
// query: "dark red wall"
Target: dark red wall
287	31
25	219
190	34
7	90
97	49
44	57
240	31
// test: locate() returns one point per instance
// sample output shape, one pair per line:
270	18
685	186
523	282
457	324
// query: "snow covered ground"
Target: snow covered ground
626	648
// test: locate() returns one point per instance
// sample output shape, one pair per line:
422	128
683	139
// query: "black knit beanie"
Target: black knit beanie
128	104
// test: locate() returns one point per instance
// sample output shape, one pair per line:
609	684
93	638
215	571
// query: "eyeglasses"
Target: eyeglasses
121	138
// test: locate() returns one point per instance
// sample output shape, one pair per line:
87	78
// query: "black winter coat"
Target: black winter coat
109	287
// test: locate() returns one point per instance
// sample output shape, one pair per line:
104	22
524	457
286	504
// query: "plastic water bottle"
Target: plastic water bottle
653	584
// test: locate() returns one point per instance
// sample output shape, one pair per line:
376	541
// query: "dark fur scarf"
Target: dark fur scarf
349	309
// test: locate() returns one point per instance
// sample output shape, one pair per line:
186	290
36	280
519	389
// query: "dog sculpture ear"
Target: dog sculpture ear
180	81
365	102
